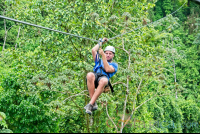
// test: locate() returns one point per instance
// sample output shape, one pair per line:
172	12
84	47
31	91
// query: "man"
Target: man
100	77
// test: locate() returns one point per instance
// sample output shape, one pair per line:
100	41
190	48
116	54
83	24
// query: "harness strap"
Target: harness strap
97	59
111	87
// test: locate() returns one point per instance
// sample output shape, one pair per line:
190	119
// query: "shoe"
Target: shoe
95	107
88	109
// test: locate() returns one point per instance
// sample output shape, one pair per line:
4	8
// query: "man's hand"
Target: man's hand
104	40
101	52
98	47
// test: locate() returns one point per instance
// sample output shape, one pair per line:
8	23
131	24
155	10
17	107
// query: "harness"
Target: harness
99	65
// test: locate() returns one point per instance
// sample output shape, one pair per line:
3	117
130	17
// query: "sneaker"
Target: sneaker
88	109
95	107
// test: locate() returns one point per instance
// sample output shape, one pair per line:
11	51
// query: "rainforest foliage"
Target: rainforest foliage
42	73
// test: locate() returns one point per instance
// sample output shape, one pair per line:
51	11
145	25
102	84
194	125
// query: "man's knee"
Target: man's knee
90	76
103	81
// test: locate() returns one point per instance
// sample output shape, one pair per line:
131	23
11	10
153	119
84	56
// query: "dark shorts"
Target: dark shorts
98	76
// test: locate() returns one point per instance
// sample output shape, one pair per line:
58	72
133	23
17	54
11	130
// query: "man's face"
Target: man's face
109	55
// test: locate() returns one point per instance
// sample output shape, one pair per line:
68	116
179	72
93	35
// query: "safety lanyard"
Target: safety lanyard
97	59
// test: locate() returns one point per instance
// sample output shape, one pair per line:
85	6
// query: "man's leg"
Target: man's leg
94	95
102	83
90	83
91	87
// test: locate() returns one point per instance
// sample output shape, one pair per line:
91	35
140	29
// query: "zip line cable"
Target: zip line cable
146	24
46	28
26	23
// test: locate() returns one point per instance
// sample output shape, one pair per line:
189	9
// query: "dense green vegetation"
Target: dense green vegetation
42	73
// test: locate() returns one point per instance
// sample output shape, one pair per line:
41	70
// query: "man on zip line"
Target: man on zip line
103	70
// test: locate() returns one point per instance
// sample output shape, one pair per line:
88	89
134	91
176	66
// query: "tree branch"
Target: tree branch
133	104
110	117
17	37
127	93
120	83
76	95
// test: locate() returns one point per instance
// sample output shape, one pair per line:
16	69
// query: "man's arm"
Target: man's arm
94	50
96	47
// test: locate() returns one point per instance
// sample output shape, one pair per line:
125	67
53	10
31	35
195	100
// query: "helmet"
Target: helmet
110	48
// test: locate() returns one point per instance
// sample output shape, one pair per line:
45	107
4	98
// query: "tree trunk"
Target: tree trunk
127	89
4	44
17	37
174	70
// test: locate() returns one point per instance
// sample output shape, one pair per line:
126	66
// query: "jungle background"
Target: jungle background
42	73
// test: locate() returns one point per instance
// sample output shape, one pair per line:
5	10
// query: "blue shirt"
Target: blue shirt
98	70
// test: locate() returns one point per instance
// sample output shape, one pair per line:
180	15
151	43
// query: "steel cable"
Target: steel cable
46	28
145	25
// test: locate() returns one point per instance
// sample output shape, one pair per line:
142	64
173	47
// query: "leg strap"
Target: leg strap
110	86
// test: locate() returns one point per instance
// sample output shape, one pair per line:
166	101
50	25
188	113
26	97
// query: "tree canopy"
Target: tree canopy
42	77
